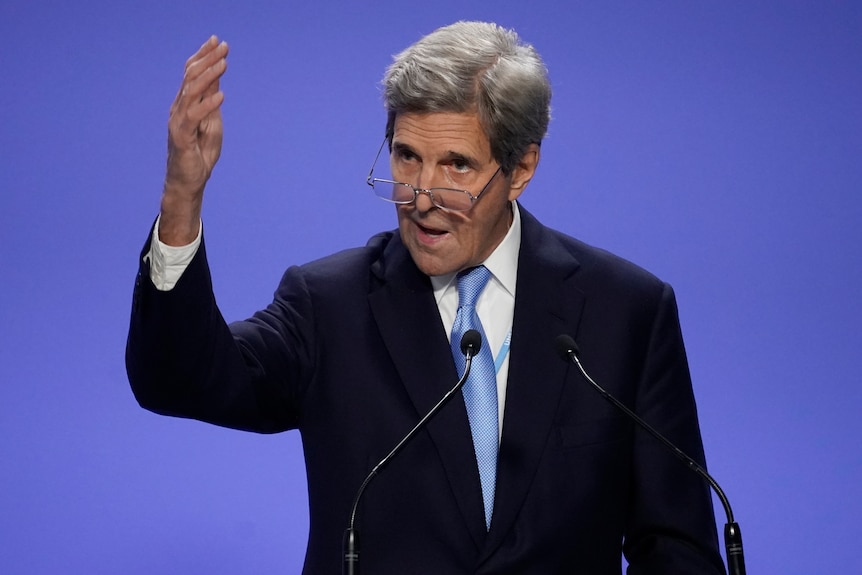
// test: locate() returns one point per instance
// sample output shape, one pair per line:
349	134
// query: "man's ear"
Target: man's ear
523	172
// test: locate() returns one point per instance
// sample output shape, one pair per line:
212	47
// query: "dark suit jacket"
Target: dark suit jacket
352	352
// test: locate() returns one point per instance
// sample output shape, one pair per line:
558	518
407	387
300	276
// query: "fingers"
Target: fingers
204	95
201	80
199	97
208	64
205	49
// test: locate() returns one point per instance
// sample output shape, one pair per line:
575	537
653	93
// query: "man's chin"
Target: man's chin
432	264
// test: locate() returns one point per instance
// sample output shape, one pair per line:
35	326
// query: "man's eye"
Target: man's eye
460	166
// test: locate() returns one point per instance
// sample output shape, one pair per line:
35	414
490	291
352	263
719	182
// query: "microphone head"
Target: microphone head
567	347
471	341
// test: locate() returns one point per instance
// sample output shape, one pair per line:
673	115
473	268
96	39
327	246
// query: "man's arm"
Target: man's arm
181	356
672	527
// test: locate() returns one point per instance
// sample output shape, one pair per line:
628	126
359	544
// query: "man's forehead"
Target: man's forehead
443	133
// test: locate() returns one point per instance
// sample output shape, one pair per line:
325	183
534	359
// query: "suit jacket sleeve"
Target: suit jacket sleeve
184	360
671	527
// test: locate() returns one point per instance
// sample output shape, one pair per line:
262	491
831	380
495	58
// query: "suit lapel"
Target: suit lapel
536	371
403	306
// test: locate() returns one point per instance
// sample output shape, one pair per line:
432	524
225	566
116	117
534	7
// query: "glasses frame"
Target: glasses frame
370	180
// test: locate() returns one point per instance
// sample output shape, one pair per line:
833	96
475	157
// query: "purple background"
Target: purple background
718	144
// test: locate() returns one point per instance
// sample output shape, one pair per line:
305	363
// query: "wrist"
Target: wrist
180	219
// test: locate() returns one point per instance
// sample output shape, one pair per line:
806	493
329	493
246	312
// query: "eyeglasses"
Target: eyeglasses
400	193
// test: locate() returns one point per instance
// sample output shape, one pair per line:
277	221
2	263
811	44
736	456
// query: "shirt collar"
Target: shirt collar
502	263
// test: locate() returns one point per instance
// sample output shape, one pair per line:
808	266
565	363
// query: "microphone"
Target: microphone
569	351
471	342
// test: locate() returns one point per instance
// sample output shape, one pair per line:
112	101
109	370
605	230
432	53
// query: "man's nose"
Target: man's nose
429	176
423	200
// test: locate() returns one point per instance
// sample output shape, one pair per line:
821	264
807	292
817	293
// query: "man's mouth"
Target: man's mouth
429	235
433	232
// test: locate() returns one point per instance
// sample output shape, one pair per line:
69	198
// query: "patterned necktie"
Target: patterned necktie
480	390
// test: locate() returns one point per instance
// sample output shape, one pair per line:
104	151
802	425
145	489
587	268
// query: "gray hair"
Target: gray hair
475	67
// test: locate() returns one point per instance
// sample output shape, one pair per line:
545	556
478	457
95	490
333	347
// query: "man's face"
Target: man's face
444	149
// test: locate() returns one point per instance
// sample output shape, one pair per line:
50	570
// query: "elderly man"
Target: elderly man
528	470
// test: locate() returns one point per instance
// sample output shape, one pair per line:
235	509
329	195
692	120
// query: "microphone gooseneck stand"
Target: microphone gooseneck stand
471	342
732	536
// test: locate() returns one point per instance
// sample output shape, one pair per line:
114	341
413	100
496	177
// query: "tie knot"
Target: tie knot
471	282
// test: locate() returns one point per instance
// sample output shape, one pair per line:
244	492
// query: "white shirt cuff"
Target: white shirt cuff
167	263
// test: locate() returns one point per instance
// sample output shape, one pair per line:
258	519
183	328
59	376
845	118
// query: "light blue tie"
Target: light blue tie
480	390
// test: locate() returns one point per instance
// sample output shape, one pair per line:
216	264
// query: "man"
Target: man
355	347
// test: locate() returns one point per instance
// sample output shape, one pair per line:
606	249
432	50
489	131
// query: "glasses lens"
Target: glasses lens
393	191
451	199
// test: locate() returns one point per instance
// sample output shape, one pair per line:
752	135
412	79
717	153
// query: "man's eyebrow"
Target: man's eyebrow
402	147
465	158
451	155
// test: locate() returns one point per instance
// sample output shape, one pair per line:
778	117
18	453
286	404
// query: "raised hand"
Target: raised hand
194	142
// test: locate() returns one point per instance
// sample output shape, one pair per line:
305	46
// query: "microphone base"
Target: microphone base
350	546
733	547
